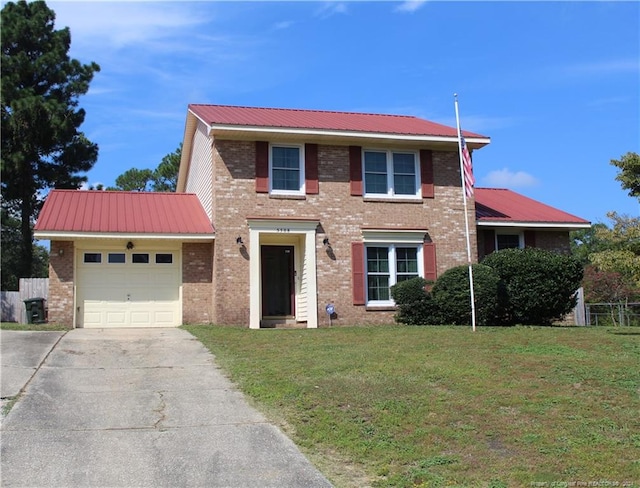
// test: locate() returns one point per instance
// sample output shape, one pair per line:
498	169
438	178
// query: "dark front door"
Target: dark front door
277	281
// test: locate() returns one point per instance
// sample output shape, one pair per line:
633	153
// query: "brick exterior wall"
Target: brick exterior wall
197	283
60	303
557	241
342	217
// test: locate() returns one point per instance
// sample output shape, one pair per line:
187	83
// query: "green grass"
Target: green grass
16	326
443	406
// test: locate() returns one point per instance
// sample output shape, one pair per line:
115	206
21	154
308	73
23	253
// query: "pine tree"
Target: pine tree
41	144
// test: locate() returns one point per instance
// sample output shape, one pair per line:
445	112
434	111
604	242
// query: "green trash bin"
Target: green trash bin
35	310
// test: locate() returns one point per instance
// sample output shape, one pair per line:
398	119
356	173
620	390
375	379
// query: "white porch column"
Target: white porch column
312	285
254	279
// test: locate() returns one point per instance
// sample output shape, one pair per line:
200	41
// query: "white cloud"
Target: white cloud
285	24
600	102
410	6
121	24
505	178
613	66
330	9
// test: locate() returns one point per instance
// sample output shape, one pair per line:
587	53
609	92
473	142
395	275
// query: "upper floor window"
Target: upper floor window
286	167
391	174
508	241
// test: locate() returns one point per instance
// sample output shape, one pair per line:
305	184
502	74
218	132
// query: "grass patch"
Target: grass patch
7	405
16	326
442	406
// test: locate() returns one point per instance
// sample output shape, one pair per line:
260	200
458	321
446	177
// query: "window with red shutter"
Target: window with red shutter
430	263
311	168
529	238
355	169
426	173
388	264
262	167
489	241
357	273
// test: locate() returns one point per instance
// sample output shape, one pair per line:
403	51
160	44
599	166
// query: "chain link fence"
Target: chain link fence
612	314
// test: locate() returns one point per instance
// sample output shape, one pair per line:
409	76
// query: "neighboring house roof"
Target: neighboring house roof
502	207
113	213
225	116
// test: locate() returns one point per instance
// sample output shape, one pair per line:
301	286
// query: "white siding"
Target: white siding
200	177
301	294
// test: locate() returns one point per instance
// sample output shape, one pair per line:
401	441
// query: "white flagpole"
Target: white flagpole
466	217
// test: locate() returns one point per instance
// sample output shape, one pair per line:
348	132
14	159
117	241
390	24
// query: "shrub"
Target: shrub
540	285
415	304
451	295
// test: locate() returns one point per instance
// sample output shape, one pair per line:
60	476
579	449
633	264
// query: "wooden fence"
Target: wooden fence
13	308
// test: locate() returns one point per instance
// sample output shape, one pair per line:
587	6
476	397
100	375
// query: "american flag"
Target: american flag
469	180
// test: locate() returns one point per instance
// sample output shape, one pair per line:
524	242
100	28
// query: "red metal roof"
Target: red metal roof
502	205
322	120
123	212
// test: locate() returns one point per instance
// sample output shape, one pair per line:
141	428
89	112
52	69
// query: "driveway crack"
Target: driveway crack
160	411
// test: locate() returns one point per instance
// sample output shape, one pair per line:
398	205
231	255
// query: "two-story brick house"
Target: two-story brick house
310	209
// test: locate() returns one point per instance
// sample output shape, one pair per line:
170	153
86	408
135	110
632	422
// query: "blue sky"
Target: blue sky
556	85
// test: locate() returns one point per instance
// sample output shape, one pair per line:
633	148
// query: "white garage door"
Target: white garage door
129	289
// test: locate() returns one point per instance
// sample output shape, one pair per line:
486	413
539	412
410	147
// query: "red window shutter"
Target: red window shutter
262	167
430	264
529	238
357	272
311	168
426	173
355	169
489	241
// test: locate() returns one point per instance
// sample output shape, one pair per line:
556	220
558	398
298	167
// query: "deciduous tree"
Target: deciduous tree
622	254
629	174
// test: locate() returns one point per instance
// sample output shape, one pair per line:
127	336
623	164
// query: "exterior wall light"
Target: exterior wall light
239	241
129	245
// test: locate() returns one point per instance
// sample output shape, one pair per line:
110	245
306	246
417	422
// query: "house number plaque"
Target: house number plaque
283	230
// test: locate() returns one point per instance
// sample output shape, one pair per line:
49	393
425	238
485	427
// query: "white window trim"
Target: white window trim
109	253
141	253
510	233
302	189
155	259
390	187
91	263
392	267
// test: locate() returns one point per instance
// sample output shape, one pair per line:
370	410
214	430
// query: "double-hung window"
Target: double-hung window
391	174
387	265
286	167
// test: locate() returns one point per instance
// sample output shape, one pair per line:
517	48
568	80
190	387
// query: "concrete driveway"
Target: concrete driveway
141	407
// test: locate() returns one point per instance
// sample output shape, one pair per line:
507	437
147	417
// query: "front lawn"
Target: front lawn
443	406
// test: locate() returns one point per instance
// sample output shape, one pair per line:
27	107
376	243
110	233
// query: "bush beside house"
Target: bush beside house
512	286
